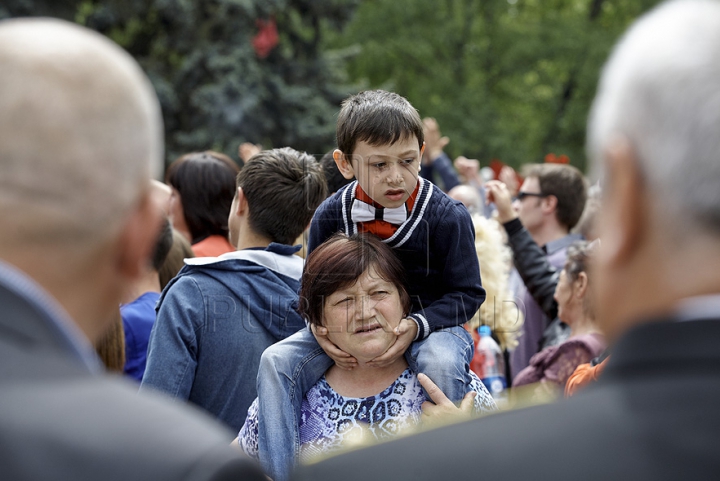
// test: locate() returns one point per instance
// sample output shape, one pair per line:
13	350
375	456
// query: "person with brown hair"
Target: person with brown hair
354	287
549	204
219	314
575	307
111	347
203	185
565	294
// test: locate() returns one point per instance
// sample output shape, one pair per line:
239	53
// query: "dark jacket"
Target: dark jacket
61	421
436	245
214	321
540	277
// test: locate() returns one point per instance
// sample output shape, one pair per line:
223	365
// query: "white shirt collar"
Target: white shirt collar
699	307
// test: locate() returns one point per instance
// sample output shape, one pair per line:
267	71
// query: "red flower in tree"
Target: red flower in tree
496	166
551	158
267	37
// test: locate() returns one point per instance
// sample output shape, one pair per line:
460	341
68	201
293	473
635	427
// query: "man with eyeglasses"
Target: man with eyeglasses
549	204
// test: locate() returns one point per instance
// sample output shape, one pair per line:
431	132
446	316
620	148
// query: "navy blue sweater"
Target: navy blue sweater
436	245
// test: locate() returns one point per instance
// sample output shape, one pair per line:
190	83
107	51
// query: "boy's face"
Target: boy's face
387	173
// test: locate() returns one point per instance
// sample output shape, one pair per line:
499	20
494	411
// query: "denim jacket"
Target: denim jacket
215	319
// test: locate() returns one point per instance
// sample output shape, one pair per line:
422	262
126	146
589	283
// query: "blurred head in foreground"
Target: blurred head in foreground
77	153
653	139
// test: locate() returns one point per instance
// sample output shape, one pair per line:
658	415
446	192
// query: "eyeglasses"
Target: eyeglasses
522	195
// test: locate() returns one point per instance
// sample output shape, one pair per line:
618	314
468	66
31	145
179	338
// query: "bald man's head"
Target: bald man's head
469	196
80	133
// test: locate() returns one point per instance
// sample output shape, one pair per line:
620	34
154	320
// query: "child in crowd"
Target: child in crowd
380	143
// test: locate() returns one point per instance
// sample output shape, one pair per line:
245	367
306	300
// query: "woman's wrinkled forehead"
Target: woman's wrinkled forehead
372	275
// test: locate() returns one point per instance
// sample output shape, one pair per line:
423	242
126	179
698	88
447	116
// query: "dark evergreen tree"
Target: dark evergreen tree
227	71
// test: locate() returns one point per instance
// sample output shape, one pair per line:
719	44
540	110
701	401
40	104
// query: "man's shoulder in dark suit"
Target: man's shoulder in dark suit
653	415
59	421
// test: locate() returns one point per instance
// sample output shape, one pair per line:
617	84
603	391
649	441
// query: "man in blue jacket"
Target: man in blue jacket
220	313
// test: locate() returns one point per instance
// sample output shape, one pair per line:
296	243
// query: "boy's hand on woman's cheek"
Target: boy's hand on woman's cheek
341	358
405	332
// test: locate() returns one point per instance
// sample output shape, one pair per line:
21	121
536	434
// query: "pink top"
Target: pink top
212	246
556	363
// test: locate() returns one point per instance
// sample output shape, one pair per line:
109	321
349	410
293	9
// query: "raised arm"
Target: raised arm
539	276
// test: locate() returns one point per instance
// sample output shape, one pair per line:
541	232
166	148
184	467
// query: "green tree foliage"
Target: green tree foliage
506	79
215	90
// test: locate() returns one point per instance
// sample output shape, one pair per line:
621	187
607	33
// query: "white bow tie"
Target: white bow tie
364	212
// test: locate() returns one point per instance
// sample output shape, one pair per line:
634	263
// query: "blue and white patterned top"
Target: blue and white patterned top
329	419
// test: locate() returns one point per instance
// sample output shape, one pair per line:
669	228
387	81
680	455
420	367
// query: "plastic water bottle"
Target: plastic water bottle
489	363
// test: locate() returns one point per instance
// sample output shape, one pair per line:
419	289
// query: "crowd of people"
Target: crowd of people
256	320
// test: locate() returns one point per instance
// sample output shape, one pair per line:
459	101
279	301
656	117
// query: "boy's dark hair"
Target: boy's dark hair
567	184
333	176
378	118
339	262
283	187
163	245
206	183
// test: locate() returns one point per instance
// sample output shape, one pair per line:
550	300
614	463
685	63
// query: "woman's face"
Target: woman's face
361	318
564	297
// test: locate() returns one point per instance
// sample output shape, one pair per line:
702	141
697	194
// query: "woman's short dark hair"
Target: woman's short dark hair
339	262
206	184
377	117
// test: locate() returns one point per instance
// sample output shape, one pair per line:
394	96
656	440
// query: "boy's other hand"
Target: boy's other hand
405	332
498	193
342	359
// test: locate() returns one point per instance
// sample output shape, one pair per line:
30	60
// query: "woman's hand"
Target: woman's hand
342	359
442	410
405	332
